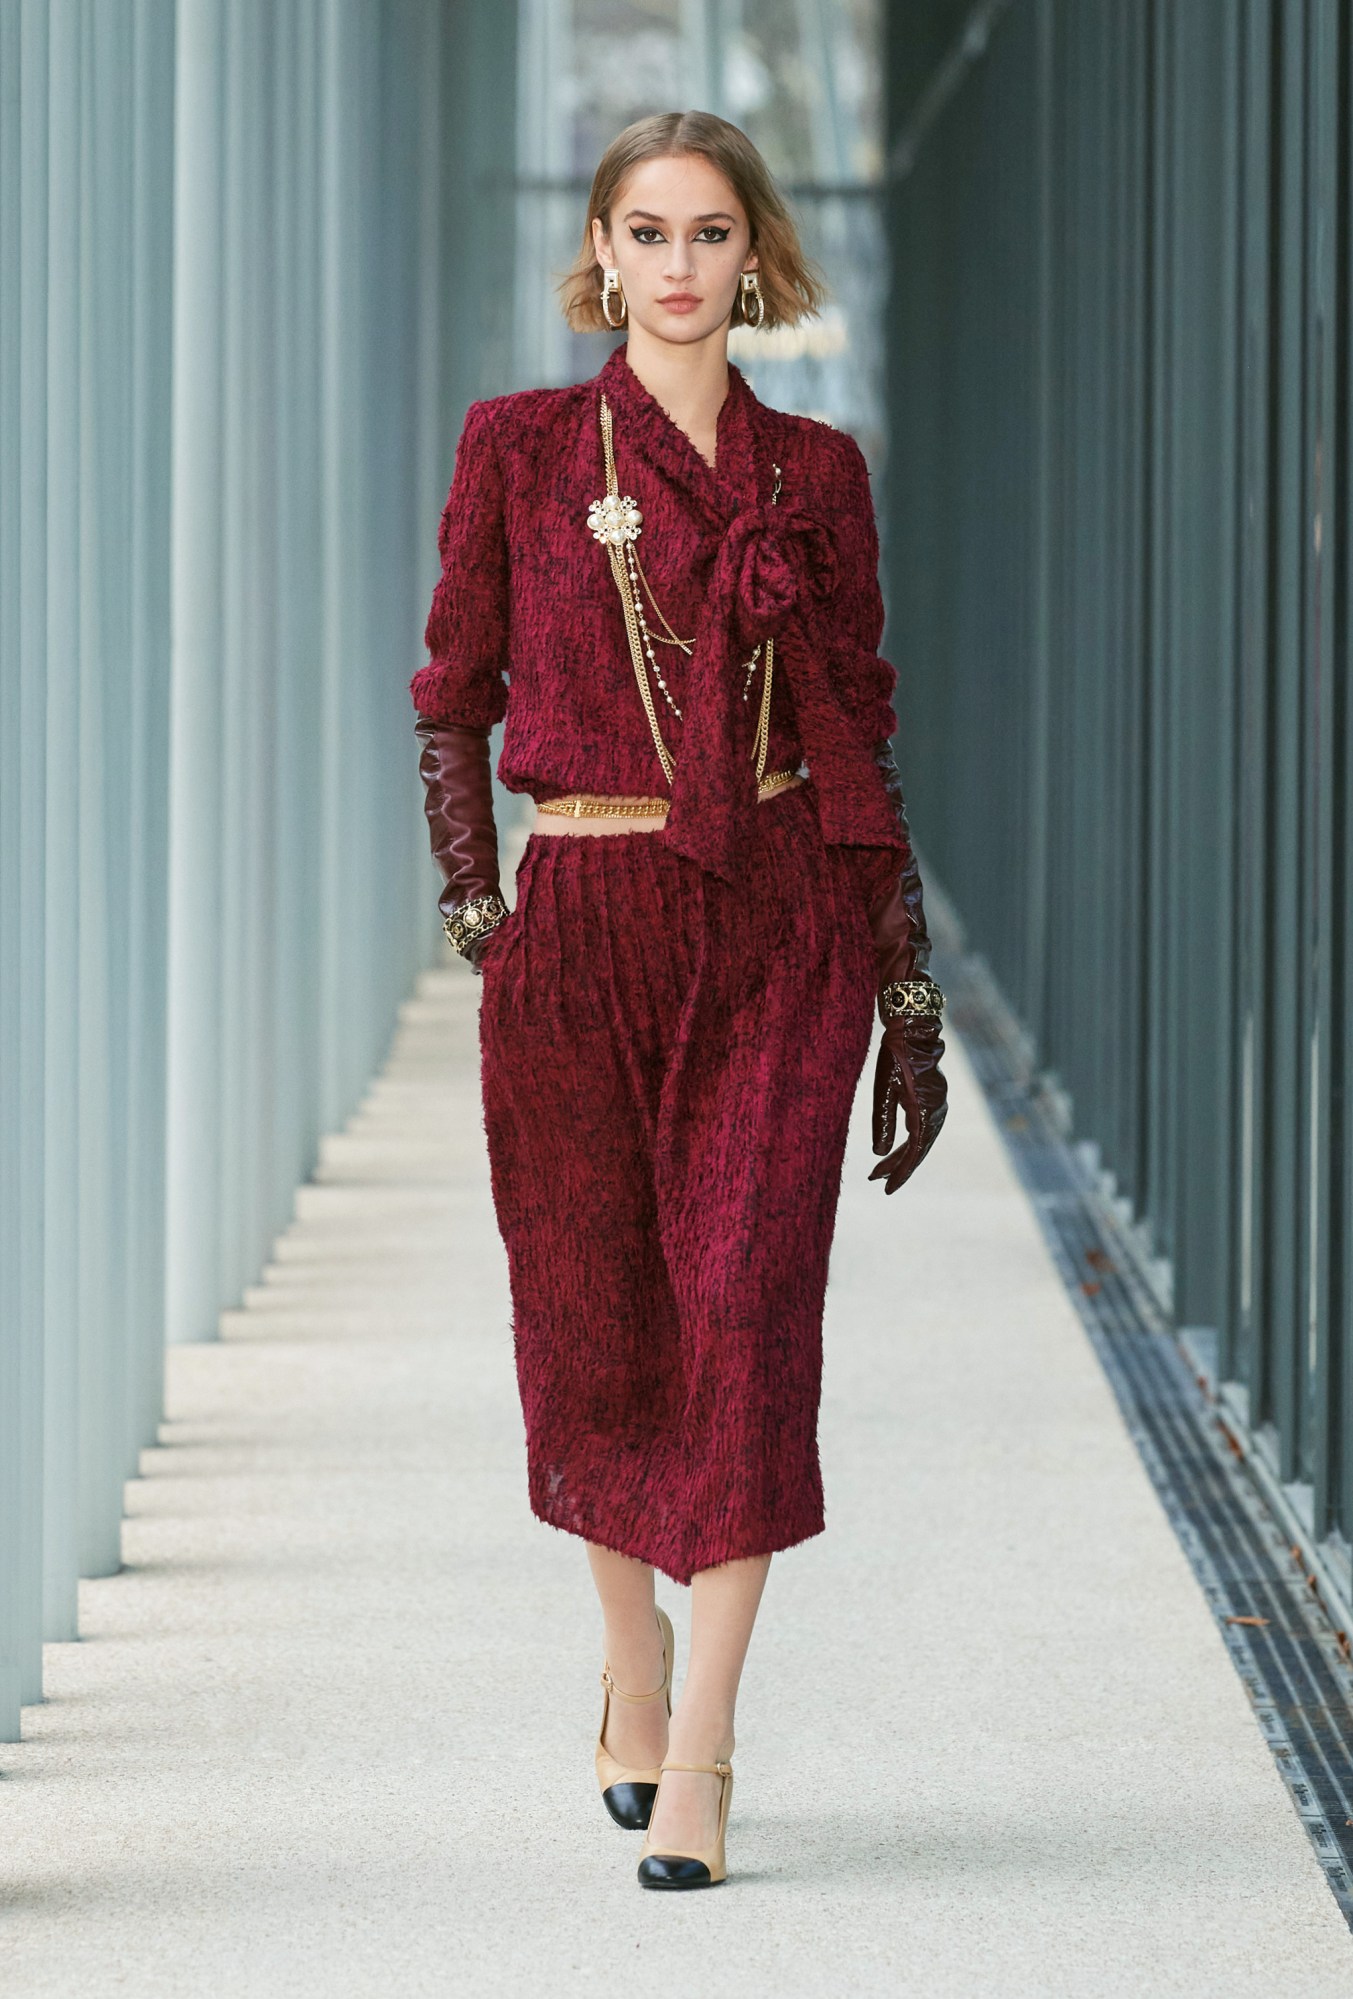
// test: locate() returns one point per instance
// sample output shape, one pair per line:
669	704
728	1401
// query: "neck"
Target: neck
689	379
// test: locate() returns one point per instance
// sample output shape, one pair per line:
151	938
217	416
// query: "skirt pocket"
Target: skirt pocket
507	930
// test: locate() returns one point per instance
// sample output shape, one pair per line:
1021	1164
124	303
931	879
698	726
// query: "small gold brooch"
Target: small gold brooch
615	519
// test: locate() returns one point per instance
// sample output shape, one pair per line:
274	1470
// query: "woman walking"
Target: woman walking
668	592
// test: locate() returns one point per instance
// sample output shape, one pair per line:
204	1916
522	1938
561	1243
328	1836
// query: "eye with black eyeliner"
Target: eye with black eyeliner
711	233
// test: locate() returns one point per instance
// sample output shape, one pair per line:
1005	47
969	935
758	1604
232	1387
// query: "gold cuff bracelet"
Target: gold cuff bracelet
475	918
916	999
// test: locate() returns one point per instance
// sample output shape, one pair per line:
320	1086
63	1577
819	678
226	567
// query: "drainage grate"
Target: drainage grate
1290	1659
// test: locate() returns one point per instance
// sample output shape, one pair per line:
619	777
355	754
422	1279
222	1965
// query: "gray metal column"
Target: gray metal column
85	188
1118	495
236	286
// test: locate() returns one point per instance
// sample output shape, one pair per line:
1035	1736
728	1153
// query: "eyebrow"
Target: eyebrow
720	215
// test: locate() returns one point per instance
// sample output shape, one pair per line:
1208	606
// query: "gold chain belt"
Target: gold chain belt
590	804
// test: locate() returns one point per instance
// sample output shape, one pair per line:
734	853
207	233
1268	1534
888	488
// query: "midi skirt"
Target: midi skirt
668	1063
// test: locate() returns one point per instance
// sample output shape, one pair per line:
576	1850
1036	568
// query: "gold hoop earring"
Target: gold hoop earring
611	287
751	292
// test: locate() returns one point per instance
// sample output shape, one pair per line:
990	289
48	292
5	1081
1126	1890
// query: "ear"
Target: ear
753	262
601	243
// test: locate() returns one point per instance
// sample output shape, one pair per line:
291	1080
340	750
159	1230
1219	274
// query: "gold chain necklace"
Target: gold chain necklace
616	521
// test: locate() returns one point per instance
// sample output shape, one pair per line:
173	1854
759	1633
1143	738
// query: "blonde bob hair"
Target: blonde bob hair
791	285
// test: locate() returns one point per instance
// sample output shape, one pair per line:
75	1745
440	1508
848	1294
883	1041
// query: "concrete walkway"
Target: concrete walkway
330	1731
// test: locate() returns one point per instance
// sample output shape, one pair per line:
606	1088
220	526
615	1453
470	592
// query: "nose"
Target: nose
679	267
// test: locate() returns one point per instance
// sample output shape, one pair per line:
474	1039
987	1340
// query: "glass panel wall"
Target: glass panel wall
803	80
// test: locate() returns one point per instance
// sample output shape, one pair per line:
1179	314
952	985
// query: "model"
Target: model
668	593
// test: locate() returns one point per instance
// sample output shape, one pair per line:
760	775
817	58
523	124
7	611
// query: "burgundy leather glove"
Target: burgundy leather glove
458	799
908	1066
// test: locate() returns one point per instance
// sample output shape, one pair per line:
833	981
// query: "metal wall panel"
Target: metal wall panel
85	191
236	248
1117	549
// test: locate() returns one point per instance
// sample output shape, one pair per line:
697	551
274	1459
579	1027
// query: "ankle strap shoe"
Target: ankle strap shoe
691	1870
626	1793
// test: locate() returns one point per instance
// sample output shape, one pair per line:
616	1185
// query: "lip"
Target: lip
680	301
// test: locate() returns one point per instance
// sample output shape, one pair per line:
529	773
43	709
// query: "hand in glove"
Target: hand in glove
458	785
908	1066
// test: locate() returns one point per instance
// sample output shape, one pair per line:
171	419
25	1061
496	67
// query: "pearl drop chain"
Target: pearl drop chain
644	632
647	638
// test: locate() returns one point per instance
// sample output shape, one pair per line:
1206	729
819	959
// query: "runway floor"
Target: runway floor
330	1730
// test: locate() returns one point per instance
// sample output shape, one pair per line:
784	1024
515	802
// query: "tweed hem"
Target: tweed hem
640	1544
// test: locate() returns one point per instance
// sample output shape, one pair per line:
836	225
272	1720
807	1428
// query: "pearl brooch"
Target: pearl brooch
615	519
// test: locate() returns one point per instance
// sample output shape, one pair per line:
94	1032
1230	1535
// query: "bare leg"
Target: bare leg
724	1603
636	1732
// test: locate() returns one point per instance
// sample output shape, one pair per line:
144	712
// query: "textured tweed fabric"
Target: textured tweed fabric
673	1021
668	1066
526	601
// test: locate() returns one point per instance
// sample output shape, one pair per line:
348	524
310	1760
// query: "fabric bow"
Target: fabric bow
779	556
775	570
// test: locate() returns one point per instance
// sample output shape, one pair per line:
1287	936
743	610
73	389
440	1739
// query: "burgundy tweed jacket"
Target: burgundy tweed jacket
526	623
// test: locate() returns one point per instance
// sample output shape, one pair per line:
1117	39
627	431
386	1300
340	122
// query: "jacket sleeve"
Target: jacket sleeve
865	683
464	680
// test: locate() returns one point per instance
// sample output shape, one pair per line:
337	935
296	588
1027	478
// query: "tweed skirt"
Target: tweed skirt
668	1064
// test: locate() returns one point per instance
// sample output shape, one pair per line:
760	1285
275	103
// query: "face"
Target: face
680	239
